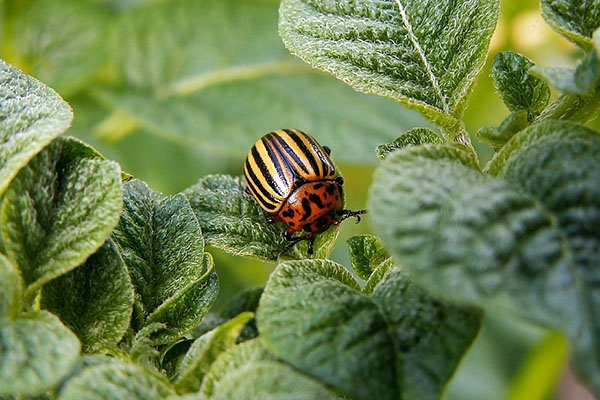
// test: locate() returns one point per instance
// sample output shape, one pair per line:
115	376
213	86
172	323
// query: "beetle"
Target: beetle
292	178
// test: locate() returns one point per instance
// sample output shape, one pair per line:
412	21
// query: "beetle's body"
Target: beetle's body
292	178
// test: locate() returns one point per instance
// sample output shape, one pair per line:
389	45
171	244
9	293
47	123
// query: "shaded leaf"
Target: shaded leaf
94	300
423	54
162	245
59	210
116	381
574	19
189	67
518	88
525	242
413	137
205	350
375	344
36	353
61	42
231	220
31	116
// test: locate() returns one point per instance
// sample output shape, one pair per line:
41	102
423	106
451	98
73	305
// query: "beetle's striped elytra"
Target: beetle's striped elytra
293	179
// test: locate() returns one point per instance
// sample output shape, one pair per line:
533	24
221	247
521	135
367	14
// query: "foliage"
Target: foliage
107	287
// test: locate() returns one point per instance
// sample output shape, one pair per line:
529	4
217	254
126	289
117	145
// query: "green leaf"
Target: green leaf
237	358
11	289
162	245
116	381
94	300
189	82
231	220
36	353
272	380
413	137
205	350
366	255
583	79
31	116
425	55
59	210
314	315
250	372
61	42
498	136
574	19
518	88
525	242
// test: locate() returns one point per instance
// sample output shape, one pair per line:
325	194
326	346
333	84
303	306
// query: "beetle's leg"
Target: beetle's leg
349	213
327	150
293	240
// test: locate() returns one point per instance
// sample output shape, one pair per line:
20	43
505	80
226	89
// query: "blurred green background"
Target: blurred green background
176	90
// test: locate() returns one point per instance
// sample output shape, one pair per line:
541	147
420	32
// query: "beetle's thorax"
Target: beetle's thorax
313	206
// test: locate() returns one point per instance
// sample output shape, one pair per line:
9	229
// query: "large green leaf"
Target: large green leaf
424	54
36	352
116	381
162	245
94	300
250	372
31	116
575	19
59	210
234	222
61	42
525	242
389	341
218	80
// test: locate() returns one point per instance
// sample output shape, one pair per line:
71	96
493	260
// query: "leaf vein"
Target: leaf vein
414	40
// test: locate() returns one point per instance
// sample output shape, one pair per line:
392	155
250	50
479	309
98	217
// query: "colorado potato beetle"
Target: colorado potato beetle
293	179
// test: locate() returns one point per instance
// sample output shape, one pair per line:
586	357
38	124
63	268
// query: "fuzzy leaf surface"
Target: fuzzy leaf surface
59	210
518	88
574	19
424	54
31	116
116	381
524	241
162	245
233	221
36	352
370	344
205	350
95	300
412	137
249	371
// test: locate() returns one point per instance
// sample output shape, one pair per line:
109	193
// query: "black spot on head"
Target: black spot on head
306	227
318	185
289	213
